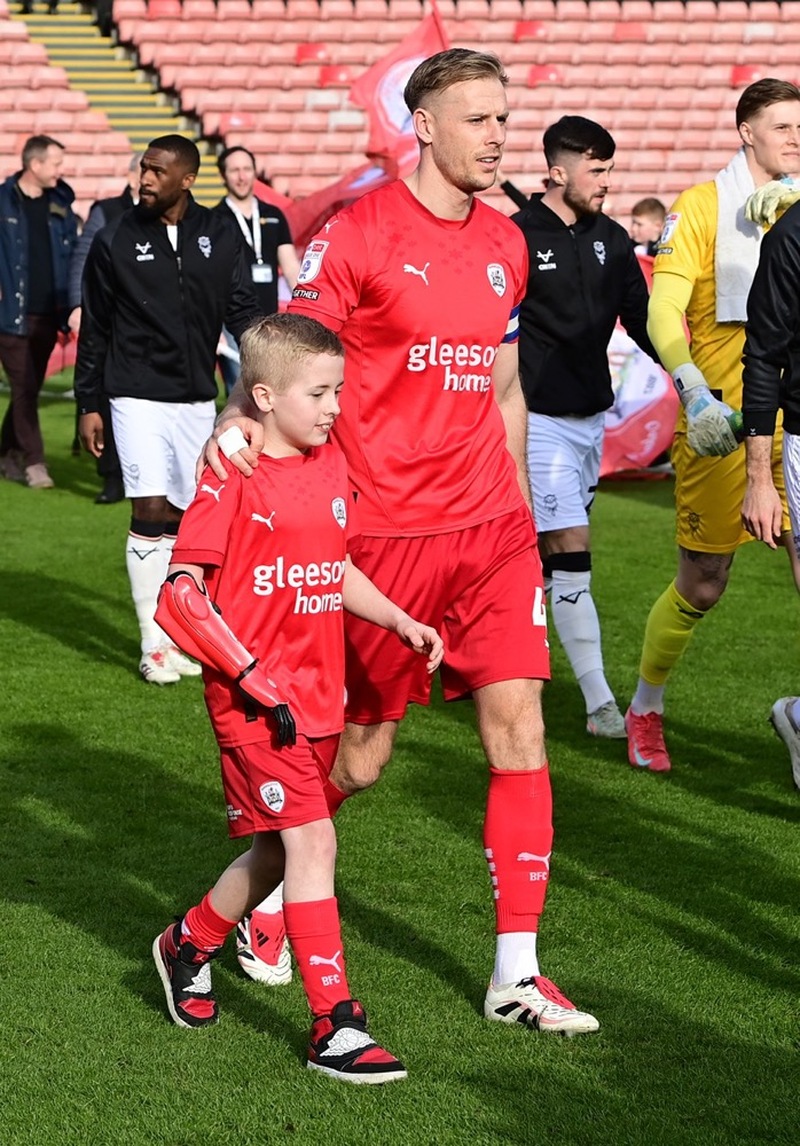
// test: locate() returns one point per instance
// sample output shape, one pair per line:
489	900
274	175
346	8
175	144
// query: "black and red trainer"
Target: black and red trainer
341	1047
185	972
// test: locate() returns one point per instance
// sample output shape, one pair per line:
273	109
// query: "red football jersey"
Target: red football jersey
273	547
422	305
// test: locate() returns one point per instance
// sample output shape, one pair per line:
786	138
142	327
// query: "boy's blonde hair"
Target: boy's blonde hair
272	347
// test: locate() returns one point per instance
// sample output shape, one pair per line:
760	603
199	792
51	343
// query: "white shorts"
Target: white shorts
159	444
791	477
563	468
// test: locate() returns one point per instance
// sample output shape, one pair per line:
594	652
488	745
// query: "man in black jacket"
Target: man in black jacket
158	283
266	232
583	276
771	382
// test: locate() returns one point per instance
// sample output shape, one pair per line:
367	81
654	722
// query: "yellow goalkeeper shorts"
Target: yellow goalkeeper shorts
709	493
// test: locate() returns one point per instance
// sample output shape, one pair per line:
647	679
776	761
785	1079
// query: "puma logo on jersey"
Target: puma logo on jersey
214	492
320	961
332	223
266	520
409	270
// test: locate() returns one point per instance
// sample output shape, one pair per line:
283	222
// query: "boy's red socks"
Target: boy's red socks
315	935
205	927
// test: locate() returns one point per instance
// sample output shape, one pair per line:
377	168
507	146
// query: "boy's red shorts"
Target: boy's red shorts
481	587
268	788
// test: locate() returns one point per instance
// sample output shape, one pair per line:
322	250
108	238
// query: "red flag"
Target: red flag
306	216
641	423
268	194
380	92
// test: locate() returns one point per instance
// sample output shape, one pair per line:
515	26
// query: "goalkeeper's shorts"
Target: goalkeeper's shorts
709	493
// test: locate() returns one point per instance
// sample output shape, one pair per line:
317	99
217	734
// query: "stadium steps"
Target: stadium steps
115	86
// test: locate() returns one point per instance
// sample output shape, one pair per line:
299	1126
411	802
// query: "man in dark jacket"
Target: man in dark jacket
103	211
158	283
583	276
771	382
265	230
38	230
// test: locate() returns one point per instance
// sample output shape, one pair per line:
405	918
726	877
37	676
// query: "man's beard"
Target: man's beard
149	210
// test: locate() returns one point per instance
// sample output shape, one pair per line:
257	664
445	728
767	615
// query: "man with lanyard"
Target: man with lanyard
266	232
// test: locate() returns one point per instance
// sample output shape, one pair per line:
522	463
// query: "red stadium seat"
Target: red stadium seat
335	76
164	9
135	9
312	53
237	121
544	74
530	30
668	10
46	76
743	74
199	10
302	10
21	52
233	10
630	30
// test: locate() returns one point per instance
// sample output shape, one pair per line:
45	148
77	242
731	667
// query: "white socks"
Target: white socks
576	622
648	698
273	903
515	957
147	559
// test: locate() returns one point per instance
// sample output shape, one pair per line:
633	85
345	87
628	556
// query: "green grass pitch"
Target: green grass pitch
672	913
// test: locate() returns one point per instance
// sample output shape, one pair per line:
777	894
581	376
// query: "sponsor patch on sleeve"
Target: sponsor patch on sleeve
312	260
670	227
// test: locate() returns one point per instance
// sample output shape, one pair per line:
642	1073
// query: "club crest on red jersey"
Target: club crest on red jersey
312	260
273	796
497	278
339	510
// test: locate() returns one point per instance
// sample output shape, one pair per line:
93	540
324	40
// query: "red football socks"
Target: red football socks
518	839
205	927
315	935
334	797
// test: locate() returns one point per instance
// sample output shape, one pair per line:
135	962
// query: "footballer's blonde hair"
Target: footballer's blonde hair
454	66
272	347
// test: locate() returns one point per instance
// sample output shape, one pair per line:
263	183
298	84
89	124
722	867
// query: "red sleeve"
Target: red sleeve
205	527
331	272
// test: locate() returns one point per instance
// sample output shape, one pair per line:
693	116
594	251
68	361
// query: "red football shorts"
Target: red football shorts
481	588
268	788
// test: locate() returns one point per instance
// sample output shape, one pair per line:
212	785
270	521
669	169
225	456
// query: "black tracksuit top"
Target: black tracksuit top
771	375
581	279
151	316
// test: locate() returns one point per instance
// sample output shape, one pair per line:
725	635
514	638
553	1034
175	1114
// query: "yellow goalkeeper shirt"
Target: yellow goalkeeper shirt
684	282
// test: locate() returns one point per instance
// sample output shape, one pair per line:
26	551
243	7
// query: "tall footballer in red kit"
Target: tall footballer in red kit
423	283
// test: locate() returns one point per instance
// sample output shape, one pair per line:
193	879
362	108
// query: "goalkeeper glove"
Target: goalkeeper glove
769	202
709	423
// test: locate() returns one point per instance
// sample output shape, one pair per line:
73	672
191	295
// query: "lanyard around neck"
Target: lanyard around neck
253	238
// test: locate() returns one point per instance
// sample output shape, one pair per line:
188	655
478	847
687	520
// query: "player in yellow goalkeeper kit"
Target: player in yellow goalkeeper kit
702	273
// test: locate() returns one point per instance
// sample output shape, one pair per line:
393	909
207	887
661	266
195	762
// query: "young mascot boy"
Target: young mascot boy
259	577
